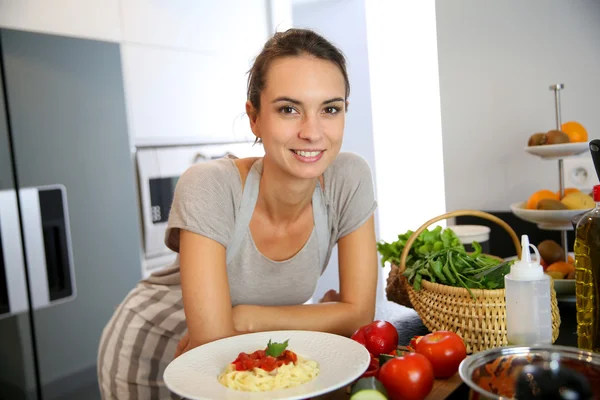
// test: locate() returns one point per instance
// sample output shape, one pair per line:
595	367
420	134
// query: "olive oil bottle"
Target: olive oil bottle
587	277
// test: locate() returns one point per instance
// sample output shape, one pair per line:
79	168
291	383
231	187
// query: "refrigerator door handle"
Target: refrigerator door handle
34	247
12	251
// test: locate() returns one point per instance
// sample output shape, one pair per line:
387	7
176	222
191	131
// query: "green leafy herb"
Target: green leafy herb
426	243
276	349
438	256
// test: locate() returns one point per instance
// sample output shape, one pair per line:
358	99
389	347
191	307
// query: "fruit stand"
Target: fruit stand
556	210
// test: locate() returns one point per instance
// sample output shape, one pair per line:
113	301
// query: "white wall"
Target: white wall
405	97
348	32
497	60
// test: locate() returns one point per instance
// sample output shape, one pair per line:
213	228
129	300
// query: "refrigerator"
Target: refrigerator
70	240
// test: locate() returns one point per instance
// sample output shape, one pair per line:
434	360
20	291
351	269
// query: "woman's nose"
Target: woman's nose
310	129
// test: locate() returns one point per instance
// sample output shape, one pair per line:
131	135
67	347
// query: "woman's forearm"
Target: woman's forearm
339	318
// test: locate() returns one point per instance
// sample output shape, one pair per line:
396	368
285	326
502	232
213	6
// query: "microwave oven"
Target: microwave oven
158	170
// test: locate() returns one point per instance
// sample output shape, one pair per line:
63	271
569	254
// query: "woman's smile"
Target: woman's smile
308	156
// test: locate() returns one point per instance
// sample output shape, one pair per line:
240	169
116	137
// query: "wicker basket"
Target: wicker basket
481	322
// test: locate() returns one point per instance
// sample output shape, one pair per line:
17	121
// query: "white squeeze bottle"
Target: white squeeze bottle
528	307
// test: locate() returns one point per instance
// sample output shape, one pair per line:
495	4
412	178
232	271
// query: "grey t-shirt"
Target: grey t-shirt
207	201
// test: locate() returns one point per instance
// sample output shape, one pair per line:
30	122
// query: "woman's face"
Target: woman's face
302	115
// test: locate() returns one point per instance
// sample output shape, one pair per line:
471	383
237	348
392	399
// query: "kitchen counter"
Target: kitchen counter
408	324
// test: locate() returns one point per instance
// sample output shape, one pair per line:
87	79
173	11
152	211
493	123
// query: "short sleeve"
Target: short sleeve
352	191
204	202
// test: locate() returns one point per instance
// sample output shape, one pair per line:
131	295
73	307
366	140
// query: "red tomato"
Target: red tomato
373	368
414	341
445	350
378	337
359	335
239	366
268	363
408	377
289	356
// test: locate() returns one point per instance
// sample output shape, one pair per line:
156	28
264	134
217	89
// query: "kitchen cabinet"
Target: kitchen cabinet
93	19
181	97
69	225
224	26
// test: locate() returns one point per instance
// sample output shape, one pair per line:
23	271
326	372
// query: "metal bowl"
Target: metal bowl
503	365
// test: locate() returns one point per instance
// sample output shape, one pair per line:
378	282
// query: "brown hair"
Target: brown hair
293	42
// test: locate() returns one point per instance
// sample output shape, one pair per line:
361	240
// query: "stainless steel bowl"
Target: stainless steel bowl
477	367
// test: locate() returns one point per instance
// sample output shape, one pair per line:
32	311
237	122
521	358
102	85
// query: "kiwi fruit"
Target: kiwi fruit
551	204
537	139
556	137
551	252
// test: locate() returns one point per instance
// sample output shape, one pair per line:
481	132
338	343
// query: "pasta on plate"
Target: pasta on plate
269	369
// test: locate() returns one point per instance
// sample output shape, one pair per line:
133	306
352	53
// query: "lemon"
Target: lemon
578	201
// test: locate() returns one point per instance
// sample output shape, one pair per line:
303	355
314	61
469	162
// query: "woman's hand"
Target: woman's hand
183	345
330	296
242	318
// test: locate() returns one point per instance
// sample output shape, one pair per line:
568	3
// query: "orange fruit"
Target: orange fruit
560	266
535	198
567	191
575	131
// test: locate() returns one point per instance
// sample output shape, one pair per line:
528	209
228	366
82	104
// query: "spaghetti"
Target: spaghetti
269	369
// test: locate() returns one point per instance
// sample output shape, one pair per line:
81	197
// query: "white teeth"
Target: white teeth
307	153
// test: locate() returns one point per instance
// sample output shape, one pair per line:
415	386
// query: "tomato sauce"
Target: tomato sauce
259	359
499	377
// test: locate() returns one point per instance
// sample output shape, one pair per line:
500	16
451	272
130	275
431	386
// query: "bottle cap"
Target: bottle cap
525	269
597	193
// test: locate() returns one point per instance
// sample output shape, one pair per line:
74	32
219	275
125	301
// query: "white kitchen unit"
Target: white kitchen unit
176	97
91	19
225	26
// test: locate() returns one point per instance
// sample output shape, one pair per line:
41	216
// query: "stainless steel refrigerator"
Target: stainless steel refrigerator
69	221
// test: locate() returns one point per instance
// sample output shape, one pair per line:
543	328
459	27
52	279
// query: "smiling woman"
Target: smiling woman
253	236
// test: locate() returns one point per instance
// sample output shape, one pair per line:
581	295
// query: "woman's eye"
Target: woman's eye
287	110
332	110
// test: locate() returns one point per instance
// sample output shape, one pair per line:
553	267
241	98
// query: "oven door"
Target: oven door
159	169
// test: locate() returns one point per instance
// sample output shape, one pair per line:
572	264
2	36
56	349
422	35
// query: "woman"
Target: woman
254	235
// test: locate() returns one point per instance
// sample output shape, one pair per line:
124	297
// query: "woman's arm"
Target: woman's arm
206	300
357	255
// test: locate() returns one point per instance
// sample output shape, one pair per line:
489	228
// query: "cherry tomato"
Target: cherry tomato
445	350
408	377
378	337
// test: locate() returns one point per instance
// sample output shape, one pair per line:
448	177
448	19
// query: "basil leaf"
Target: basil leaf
276	349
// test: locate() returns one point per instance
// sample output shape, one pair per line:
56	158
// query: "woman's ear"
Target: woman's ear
347	104
253	117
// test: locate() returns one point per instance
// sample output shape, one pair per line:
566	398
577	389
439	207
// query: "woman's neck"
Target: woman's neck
283	198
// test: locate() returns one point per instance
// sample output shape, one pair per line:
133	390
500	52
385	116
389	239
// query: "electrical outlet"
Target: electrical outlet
580	173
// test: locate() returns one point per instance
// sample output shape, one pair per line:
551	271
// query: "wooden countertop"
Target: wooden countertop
442	388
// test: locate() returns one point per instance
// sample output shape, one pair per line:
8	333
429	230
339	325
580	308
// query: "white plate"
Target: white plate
562	287
193	375
556	151
546	219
